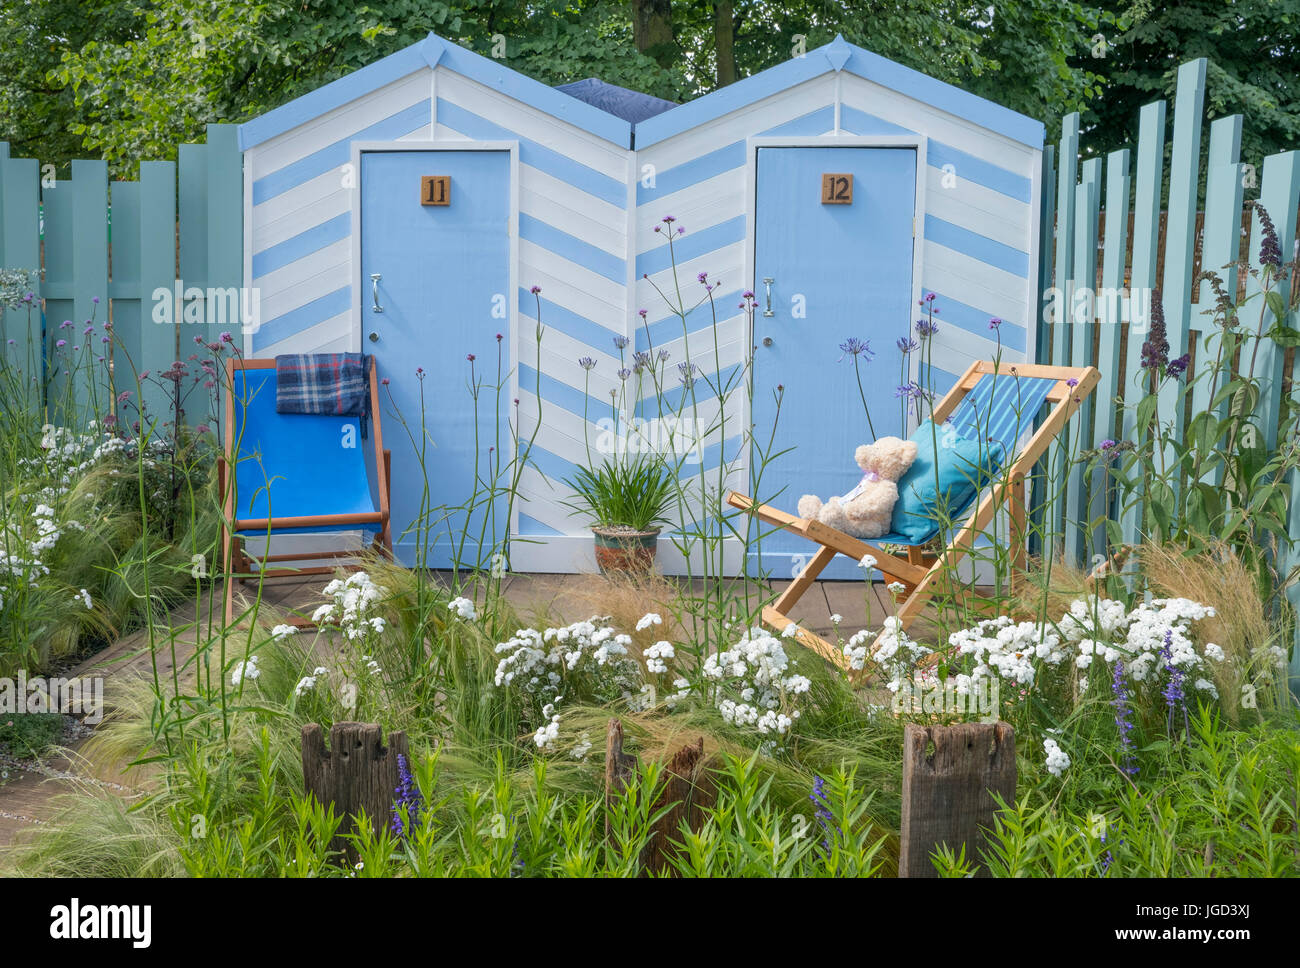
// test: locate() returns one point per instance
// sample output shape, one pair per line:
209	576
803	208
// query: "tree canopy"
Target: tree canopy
127	80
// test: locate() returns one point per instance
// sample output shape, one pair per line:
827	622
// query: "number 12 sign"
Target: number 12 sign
837	189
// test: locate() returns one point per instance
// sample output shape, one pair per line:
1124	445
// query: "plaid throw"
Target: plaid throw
321	383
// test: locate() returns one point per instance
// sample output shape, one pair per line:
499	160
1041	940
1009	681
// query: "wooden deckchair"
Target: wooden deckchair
296	474
1061	386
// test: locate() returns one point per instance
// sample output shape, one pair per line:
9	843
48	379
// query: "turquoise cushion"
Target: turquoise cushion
964	466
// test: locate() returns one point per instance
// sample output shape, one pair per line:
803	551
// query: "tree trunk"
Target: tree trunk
724	41
652	30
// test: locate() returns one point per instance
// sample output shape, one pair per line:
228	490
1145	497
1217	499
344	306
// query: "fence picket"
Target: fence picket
1079	324
1277	193
158	343
20	248
1037	490
1146	236
1109	313
1180	232
1221	245
89	274
1067	178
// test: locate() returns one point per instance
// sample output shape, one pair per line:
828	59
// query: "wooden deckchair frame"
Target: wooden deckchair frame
920	573
237	562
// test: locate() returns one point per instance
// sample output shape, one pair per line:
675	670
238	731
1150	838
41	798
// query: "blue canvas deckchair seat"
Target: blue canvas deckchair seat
297	474
998	406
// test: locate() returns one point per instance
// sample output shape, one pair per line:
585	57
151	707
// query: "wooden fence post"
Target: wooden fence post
683	789
948	794
357	772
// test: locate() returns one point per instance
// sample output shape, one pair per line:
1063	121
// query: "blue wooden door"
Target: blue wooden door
444	280
838	271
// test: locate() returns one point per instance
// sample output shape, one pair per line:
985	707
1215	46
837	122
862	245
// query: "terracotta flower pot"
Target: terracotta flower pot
621	549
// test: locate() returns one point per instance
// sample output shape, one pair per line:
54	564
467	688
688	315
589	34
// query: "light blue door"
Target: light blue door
838	271
443	283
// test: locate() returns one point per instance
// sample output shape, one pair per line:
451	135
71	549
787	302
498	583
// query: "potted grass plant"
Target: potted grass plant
626	503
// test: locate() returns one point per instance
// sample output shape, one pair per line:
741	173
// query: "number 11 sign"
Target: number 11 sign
435	189
837	189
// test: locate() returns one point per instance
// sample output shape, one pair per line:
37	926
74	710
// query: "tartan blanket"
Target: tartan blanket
321	383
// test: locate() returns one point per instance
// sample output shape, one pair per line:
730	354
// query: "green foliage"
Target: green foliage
636	493
128	81
29	734
1253	49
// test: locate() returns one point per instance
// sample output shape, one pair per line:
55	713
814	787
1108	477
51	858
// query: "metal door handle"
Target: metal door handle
767	284
374	292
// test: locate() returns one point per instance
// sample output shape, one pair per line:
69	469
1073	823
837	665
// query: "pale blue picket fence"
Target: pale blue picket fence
181	222
1080	194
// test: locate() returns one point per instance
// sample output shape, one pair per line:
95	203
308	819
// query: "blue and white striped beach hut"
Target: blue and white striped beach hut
938	191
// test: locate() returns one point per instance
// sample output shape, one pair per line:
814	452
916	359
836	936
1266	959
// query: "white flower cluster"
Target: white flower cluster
308	683
655	656
1058	761
647	620
894	651
759	677
1007	649
464	608
1103	629
1093	629
542	661
532	655
245	670
353	600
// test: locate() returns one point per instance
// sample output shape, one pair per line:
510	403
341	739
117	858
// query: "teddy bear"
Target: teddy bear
866	511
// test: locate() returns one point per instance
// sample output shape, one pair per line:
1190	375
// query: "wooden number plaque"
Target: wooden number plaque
837	189
435	189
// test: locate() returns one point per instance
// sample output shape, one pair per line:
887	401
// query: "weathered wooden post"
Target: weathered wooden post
683	792
357	772
948	792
